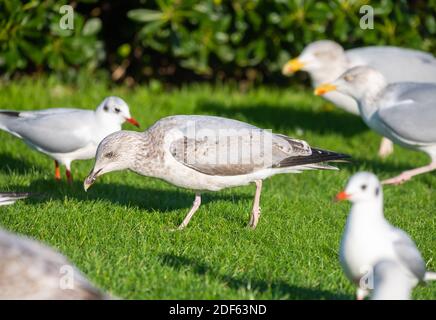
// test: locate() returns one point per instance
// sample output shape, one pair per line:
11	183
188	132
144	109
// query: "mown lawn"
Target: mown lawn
118	233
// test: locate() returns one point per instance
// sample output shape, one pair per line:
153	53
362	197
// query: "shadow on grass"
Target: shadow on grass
120	194
279	288
270	116
9	163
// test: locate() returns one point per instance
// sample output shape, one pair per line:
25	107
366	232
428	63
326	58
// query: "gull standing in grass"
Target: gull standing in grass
369	238
31	270
205	153
67	134
326	60
403	112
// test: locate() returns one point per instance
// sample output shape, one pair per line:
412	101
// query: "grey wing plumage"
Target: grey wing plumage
31	270
57	132
409	254
11	197
414	116
228	147
391	62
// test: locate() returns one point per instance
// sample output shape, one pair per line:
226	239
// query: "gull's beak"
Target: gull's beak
292	66
341	196
90	179
133	121
324	88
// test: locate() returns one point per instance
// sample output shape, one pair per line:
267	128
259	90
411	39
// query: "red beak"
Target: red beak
133	121
341	196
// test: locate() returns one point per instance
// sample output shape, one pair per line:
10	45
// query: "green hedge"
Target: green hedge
248	39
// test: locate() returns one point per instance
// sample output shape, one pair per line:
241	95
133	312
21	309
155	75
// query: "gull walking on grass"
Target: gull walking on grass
205	153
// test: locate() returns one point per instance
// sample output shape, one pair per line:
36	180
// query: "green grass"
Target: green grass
118	232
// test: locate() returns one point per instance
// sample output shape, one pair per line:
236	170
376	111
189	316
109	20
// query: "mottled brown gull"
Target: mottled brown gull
205	153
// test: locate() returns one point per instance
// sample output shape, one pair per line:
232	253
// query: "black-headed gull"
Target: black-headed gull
205	153
404	112
369	238
67	134
326	60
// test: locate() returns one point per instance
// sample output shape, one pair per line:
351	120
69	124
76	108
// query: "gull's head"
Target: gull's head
317	57
362	187
117	110
114	153
356	82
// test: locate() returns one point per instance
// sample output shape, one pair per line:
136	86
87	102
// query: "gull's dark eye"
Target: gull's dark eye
377	191
117	110
348	78
363	187
106	108
109	155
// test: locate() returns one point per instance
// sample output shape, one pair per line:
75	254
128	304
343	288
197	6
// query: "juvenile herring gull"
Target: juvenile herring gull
205	153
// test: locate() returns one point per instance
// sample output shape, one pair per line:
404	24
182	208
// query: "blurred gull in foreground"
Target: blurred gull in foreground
205	153
403	112
392	281
326	60
369	239
31	270
67	134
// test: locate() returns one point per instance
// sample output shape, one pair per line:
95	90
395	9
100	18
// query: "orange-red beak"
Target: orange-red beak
133	121
341	196
324	88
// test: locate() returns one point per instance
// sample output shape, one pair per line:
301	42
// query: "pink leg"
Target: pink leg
191	212
386	148
255	213
407	175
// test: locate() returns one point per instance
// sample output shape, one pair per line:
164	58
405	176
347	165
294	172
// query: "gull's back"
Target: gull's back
395	63
31	270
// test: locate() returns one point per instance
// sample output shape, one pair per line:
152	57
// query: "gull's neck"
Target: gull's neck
149	155
367	213
368	104
330	72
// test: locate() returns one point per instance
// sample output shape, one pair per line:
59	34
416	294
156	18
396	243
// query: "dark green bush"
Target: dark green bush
179	40
31	38
248	37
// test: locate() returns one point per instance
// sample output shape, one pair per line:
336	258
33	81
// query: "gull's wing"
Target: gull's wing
60	131
220	146
10	197
395	63
31	270
408	253
412	115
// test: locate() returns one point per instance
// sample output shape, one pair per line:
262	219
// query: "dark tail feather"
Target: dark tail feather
317	156
10	113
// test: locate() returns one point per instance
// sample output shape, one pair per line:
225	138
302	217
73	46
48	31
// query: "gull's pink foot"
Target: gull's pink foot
386	148
398	179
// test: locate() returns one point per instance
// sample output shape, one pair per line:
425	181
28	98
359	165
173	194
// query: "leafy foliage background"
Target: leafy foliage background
177	40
